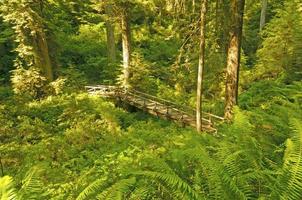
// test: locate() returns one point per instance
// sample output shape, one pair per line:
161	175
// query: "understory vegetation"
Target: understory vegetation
57	142
74	146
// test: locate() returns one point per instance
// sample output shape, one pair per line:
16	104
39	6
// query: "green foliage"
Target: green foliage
164	175
142	73
33	84
93	150
280	52
71	79
288	184
6	47
7	191
85	52
31	187
118	190
27	28
29	82
92	189
90	149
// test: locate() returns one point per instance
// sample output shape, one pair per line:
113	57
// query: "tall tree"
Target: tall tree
41	55
6	54
119	10
126	40
193	6
110	34
30	33
263	14
233	57
201	65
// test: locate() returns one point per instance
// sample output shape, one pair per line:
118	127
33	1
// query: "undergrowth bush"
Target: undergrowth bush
29	82
90	149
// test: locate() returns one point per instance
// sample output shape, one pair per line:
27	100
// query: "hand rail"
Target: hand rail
180	108
185	108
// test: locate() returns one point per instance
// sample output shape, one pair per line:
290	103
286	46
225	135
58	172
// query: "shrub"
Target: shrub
29	82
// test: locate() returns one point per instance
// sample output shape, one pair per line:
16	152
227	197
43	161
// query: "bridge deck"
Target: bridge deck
157	106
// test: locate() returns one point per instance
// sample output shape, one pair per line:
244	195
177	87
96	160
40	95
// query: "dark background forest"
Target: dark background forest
243	57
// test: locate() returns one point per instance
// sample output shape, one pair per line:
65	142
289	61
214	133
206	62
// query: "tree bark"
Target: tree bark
126	40
193	6
201	66
42	58
233	58
110	35
263	14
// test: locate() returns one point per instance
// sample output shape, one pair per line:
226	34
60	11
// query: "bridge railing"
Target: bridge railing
109	90
186	109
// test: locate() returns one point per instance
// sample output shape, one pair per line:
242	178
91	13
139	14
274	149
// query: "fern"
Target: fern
92	189
289	184
206	177
7	190
140	192
233	171
118	190
32	186
101	189
163	173
172	181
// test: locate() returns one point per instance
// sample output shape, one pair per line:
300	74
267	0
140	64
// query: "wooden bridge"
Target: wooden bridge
157	106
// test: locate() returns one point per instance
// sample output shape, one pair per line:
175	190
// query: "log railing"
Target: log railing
156	105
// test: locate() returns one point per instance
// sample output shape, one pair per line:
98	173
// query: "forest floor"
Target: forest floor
76	137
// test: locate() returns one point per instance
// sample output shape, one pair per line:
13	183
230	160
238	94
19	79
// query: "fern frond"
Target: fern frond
32	186
236	172
209	170
290	181
92	189
234	186
118	190
7	190
140	192
172	181
159	165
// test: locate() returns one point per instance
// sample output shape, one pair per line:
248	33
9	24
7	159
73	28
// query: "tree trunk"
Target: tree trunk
110	36
126	48
42	58
193	6
233	58
263	14
201	66
218	23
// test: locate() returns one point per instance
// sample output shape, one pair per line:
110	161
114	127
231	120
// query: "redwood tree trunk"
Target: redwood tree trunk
201	66
233	58
126	48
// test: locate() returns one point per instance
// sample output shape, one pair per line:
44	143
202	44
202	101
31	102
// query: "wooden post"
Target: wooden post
182	120
155	107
